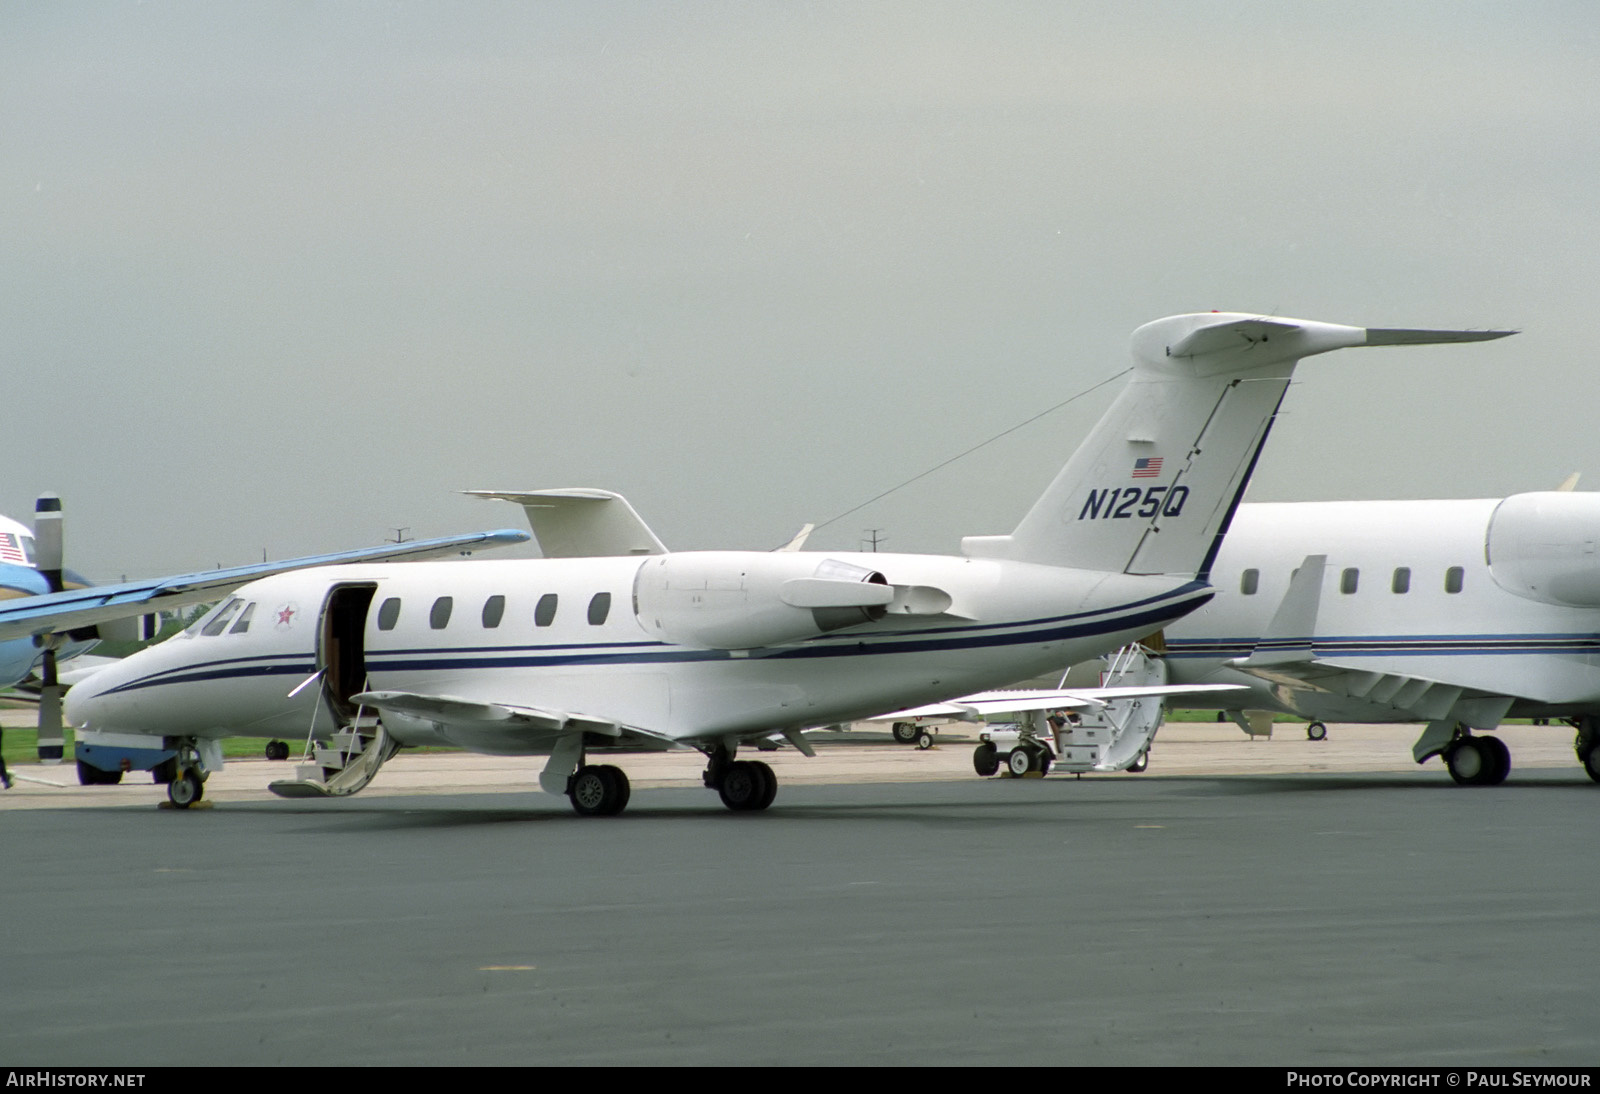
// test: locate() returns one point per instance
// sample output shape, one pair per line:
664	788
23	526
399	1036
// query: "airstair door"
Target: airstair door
341	647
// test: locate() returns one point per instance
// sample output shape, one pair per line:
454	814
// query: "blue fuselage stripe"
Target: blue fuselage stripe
1167	608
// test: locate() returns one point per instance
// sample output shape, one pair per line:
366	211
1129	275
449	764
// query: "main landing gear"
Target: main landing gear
910	733
599	790
1587	746
1478	761
745	786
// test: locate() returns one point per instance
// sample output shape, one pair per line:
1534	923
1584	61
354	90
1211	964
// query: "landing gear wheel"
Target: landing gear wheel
1591	765
186	789
770	788
1043	761
904	732
1316	731
986	759
1499	757
745	786
598	791
924	741
90	775
1019	763
1140	763
277	750
623	789
1473	762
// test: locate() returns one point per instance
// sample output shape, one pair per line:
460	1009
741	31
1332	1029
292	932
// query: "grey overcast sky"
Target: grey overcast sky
285	276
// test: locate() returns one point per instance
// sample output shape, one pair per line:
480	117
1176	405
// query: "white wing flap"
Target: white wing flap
531	726
974	707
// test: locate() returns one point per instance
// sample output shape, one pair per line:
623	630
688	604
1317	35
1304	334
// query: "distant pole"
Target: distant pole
874	538
400	535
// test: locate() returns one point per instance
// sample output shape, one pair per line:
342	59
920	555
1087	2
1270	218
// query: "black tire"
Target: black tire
165	771
90	775
1140	763
622	790
1316	731
904	732
1043	759
592	791
1470	764
924	741
277	750
769	789
186	789
1591	765
986	759
742	787
1019	762
1499	757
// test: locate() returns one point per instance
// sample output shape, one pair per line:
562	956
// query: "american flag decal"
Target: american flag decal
1147	467
11	550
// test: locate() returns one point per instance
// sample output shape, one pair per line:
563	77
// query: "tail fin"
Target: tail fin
1154	486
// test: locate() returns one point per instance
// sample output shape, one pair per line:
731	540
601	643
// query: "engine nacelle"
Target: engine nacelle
1546	547
739	600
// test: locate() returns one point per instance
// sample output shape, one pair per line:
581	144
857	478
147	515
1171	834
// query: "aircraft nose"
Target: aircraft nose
92	704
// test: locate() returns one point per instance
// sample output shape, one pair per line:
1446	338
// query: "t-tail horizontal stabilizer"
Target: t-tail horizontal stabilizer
1154	486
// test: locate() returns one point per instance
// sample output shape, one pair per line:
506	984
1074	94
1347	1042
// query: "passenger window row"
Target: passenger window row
1350	580
494	611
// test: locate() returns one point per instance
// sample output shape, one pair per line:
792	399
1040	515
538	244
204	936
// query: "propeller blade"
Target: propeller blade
47	542
52	739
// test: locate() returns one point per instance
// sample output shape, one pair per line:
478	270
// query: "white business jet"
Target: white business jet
1455	614
616	644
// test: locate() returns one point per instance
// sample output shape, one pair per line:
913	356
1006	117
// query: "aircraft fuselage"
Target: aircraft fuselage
501	634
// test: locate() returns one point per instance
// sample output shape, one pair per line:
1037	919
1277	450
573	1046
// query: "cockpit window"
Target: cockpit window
220	618
243	624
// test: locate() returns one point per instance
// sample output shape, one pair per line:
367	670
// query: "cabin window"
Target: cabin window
494	609
545	613
389	614
1349	579
599	608
1402	580
244	619
1453	578
1249	582
223	617
439	617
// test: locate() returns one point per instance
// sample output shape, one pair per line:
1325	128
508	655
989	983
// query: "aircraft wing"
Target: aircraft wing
971	708
78	608
506	728
1411	697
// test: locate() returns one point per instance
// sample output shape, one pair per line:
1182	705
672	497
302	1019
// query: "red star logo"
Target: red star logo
284	616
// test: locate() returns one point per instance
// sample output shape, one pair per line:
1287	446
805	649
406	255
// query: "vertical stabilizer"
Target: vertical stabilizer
1153	487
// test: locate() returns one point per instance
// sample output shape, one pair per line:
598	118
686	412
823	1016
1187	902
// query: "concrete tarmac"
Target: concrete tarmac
900	910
